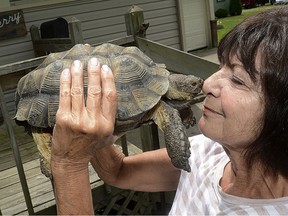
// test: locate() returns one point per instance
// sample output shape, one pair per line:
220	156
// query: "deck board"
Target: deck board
12	200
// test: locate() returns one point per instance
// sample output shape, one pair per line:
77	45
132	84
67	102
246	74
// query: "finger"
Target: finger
93	103
65	97
77	94
109	94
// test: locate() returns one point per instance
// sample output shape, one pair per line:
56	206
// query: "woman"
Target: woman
239	163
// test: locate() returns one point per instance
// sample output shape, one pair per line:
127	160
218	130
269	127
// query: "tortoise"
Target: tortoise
146	92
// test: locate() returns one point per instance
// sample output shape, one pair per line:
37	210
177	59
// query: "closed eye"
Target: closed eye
237	80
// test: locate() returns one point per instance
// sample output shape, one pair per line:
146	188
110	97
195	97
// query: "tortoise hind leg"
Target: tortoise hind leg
43	140
176	140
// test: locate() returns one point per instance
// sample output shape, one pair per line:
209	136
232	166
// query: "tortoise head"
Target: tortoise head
184	87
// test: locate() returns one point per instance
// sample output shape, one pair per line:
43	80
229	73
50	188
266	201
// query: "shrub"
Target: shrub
221	12
235	7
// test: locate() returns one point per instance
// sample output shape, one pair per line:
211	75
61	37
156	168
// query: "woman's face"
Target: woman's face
232	110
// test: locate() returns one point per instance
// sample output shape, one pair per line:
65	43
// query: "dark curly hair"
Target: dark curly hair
265	35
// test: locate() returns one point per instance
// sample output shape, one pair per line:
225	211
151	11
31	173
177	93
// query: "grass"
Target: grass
229	22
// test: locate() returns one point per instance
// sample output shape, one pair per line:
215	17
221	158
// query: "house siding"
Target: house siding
100	21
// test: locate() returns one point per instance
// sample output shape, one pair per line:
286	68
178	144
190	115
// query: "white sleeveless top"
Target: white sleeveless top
199	192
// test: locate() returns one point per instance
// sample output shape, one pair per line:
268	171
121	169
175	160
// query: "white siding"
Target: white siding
101	20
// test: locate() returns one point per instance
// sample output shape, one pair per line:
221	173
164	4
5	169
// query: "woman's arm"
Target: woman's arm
150	171
72	190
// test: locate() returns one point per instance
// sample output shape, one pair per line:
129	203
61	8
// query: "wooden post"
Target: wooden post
35	36
149	137
124	145
75	31
34	31
146	138
136	26
134	20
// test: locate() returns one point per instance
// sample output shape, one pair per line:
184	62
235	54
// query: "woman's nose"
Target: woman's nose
211	85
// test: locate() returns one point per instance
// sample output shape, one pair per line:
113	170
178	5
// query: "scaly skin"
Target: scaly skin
176	140
183	87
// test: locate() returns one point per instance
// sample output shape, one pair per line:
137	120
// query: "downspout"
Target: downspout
212	29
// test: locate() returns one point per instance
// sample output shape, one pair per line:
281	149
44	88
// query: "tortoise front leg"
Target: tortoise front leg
176	140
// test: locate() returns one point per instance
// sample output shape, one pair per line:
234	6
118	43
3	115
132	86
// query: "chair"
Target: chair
56	36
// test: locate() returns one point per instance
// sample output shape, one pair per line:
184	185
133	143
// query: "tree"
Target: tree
235	7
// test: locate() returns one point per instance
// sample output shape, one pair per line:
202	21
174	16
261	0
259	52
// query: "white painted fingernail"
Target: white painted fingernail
76	64
66	72
105	68
94	61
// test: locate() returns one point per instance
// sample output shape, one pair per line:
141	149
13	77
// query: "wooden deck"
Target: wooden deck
12	200
11	196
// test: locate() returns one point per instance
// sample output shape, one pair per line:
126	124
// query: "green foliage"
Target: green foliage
231	21
235	7
221	12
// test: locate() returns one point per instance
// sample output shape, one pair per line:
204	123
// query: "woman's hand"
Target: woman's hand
82	126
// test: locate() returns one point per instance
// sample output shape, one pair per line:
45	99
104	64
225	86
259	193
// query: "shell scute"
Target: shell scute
37	110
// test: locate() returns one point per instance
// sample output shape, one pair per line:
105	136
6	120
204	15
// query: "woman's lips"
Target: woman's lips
207	110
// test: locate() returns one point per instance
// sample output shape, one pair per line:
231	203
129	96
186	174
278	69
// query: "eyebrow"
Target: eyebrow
237	64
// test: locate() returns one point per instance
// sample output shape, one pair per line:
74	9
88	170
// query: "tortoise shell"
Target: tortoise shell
140	82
